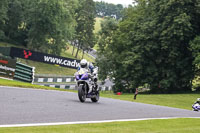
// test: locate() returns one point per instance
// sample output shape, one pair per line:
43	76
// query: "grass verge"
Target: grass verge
183	101
5	82
182	125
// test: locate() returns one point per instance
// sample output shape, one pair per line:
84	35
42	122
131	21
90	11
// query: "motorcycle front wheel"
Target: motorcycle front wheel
81	94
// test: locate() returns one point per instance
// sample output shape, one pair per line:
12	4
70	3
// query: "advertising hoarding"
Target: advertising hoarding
45	58
7	67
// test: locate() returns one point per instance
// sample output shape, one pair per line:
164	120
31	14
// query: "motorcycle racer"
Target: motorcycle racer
84	64
87	65
196	105
86	80
198	101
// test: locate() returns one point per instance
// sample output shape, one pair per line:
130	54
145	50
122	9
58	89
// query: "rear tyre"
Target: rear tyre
96	98
81	94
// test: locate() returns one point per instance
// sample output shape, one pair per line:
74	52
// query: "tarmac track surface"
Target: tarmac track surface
25	106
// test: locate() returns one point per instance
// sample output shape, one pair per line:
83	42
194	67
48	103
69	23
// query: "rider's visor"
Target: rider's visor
83	66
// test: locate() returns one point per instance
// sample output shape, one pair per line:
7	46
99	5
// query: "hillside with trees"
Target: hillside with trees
47	25
155	44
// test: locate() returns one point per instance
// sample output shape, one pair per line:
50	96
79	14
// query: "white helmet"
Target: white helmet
83	63
198	99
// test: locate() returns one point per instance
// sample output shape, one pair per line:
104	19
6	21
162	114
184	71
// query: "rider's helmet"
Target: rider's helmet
83	63
198	99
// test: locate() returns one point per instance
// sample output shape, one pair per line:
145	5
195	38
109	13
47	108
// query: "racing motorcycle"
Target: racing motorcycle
196	107
84	81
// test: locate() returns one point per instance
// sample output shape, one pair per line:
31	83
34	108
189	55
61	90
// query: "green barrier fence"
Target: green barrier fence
24	73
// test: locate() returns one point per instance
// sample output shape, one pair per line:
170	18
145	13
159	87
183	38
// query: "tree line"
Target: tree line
104	9
157	43
47	25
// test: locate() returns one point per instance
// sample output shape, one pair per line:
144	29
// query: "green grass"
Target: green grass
5	82
183	101
97	26
181	125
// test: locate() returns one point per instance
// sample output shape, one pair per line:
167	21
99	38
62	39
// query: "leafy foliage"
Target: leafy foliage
50	25
104	9
85	18
14	26
3	17
195	48
44	25
151	45
108	26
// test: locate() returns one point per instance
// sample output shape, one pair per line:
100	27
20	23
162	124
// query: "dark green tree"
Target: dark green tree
151	45
14	26
50	25
195	44
104	60
173	26
195	49
104	9
85	18
3	17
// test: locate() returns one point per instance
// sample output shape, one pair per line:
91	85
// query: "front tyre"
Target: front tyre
96	98
81	94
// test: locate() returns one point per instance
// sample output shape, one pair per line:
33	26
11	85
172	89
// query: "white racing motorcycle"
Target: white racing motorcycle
85	81
196	105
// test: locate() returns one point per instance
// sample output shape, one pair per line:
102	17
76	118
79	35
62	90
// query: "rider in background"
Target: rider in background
198	101
196	105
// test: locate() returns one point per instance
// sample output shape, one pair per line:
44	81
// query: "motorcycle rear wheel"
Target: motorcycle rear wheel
96	98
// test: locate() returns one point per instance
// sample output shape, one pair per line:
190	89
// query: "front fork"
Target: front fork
84	87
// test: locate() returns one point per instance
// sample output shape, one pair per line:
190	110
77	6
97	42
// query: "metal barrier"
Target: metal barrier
41	78
57	81
65	82
61	86
24	73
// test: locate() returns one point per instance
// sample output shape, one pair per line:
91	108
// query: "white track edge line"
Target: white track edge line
88	122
